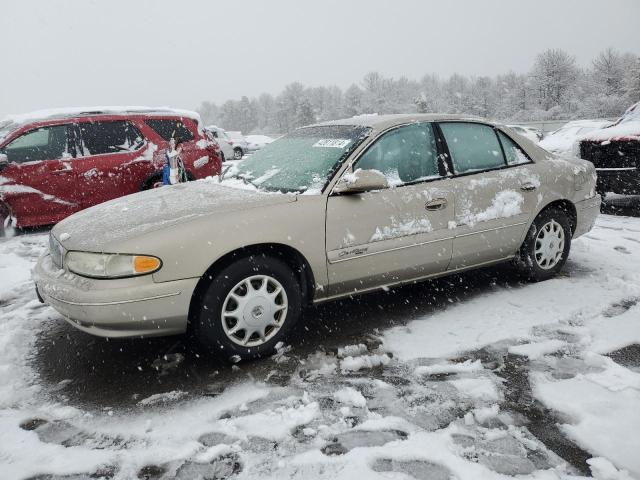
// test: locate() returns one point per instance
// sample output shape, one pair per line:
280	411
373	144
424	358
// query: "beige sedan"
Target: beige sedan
330	210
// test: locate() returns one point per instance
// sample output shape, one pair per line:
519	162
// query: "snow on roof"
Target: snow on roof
375	120
65	112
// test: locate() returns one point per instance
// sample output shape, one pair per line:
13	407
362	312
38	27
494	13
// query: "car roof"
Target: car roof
382	122
75	112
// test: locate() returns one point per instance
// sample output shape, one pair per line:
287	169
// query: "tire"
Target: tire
152	181
155	180
237	153
236	337
4	214
222	159
546	247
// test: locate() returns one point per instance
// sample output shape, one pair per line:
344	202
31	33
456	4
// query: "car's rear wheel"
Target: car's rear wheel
247	308
546	247
237	153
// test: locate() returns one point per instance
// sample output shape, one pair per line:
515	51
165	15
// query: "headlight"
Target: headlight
56	250
111	265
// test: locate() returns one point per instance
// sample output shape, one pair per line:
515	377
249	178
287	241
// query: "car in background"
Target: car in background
531	133
615	152
563	141
239	144
328	211
54	163
223	140
256	142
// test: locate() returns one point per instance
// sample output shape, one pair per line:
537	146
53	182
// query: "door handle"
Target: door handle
62	170
437	204
528	187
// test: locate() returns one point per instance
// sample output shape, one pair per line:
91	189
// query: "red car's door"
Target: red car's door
114	160
38	183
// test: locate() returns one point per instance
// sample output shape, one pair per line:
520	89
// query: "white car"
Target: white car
256	142
239	143
563	140
224	141
531	133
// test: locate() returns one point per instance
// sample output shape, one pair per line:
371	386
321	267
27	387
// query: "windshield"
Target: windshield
632	114
302	161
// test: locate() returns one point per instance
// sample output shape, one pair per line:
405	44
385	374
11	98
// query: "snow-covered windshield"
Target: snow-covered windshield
303	160
632	114
6	127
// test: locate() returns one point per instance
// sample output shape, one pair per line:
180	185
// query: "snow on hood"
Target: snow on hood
562	141
127	217
628	130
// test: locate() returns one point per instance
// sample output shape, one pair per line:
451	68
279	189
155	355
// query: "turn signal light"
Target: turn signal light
142	264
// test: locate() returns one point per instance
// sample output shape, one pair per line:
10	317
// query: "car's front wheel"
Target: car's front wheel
237	153
247	308
546	247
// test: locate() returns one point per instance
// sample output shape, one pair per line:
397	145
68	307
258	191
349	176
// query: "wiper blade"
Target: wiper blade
247	180
223	173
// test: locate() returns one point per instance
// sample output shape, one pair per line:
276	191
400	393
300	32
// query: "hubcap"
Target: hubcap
549	245
254	310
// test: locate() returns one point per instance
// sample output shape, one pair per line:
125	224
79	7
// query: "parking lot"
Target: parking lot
473	375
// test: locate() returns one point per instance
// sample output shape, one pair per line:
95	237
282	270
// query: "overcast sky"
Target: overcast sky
178	53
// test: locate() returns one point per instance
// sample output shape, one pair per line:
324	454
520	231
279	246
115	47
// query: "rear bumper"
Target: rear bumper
587	212
128	307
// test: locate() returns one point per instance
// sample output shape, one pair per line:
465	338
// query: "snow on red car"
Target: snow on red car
54	163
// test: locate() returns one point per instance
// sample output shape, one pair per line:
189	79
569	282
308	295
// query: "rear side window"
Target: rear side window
512	151
404	155
169	129
99	138
47	143
472	146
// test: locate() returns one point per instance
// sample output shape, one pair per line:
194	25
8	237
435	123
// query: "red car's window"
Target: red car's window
168	129
99	138
46	143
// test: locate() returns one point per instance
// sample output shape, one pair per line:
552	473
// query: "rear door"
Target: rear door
38	182
112	160
495	189
399	233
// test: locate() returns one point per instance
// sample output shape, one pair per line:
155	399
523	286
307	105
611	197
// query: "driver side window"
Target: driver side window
404	155
46	143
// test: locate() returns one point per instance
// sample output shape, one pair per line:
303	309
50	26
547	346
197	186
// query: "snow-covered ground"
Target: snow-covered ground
476	376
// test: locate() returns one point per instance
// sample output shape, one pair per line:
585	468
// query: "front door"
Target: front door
38	183
397	234
495	189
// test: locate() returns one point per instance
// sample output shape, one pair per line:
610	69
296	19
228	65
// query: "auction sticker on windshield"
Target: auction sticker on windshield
332	143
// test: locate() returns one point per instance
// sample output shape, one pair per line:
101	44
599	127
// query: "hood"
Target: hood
141	213
623	131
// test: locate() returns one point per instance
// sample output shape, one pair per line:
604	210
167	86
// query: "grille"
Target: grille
617	154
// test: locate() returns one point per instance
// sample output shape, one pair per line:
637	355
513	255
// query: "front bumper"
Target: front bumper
586	211
127	307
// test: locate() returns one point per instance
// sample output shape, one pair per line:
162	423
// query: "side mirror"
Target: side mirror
4	160
361	181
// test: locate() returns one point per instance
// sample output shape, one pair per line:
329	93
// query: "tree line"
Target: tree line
556	87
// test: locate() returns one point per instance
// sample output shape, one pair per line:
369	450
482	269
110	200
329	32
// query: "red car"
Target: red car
56	163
